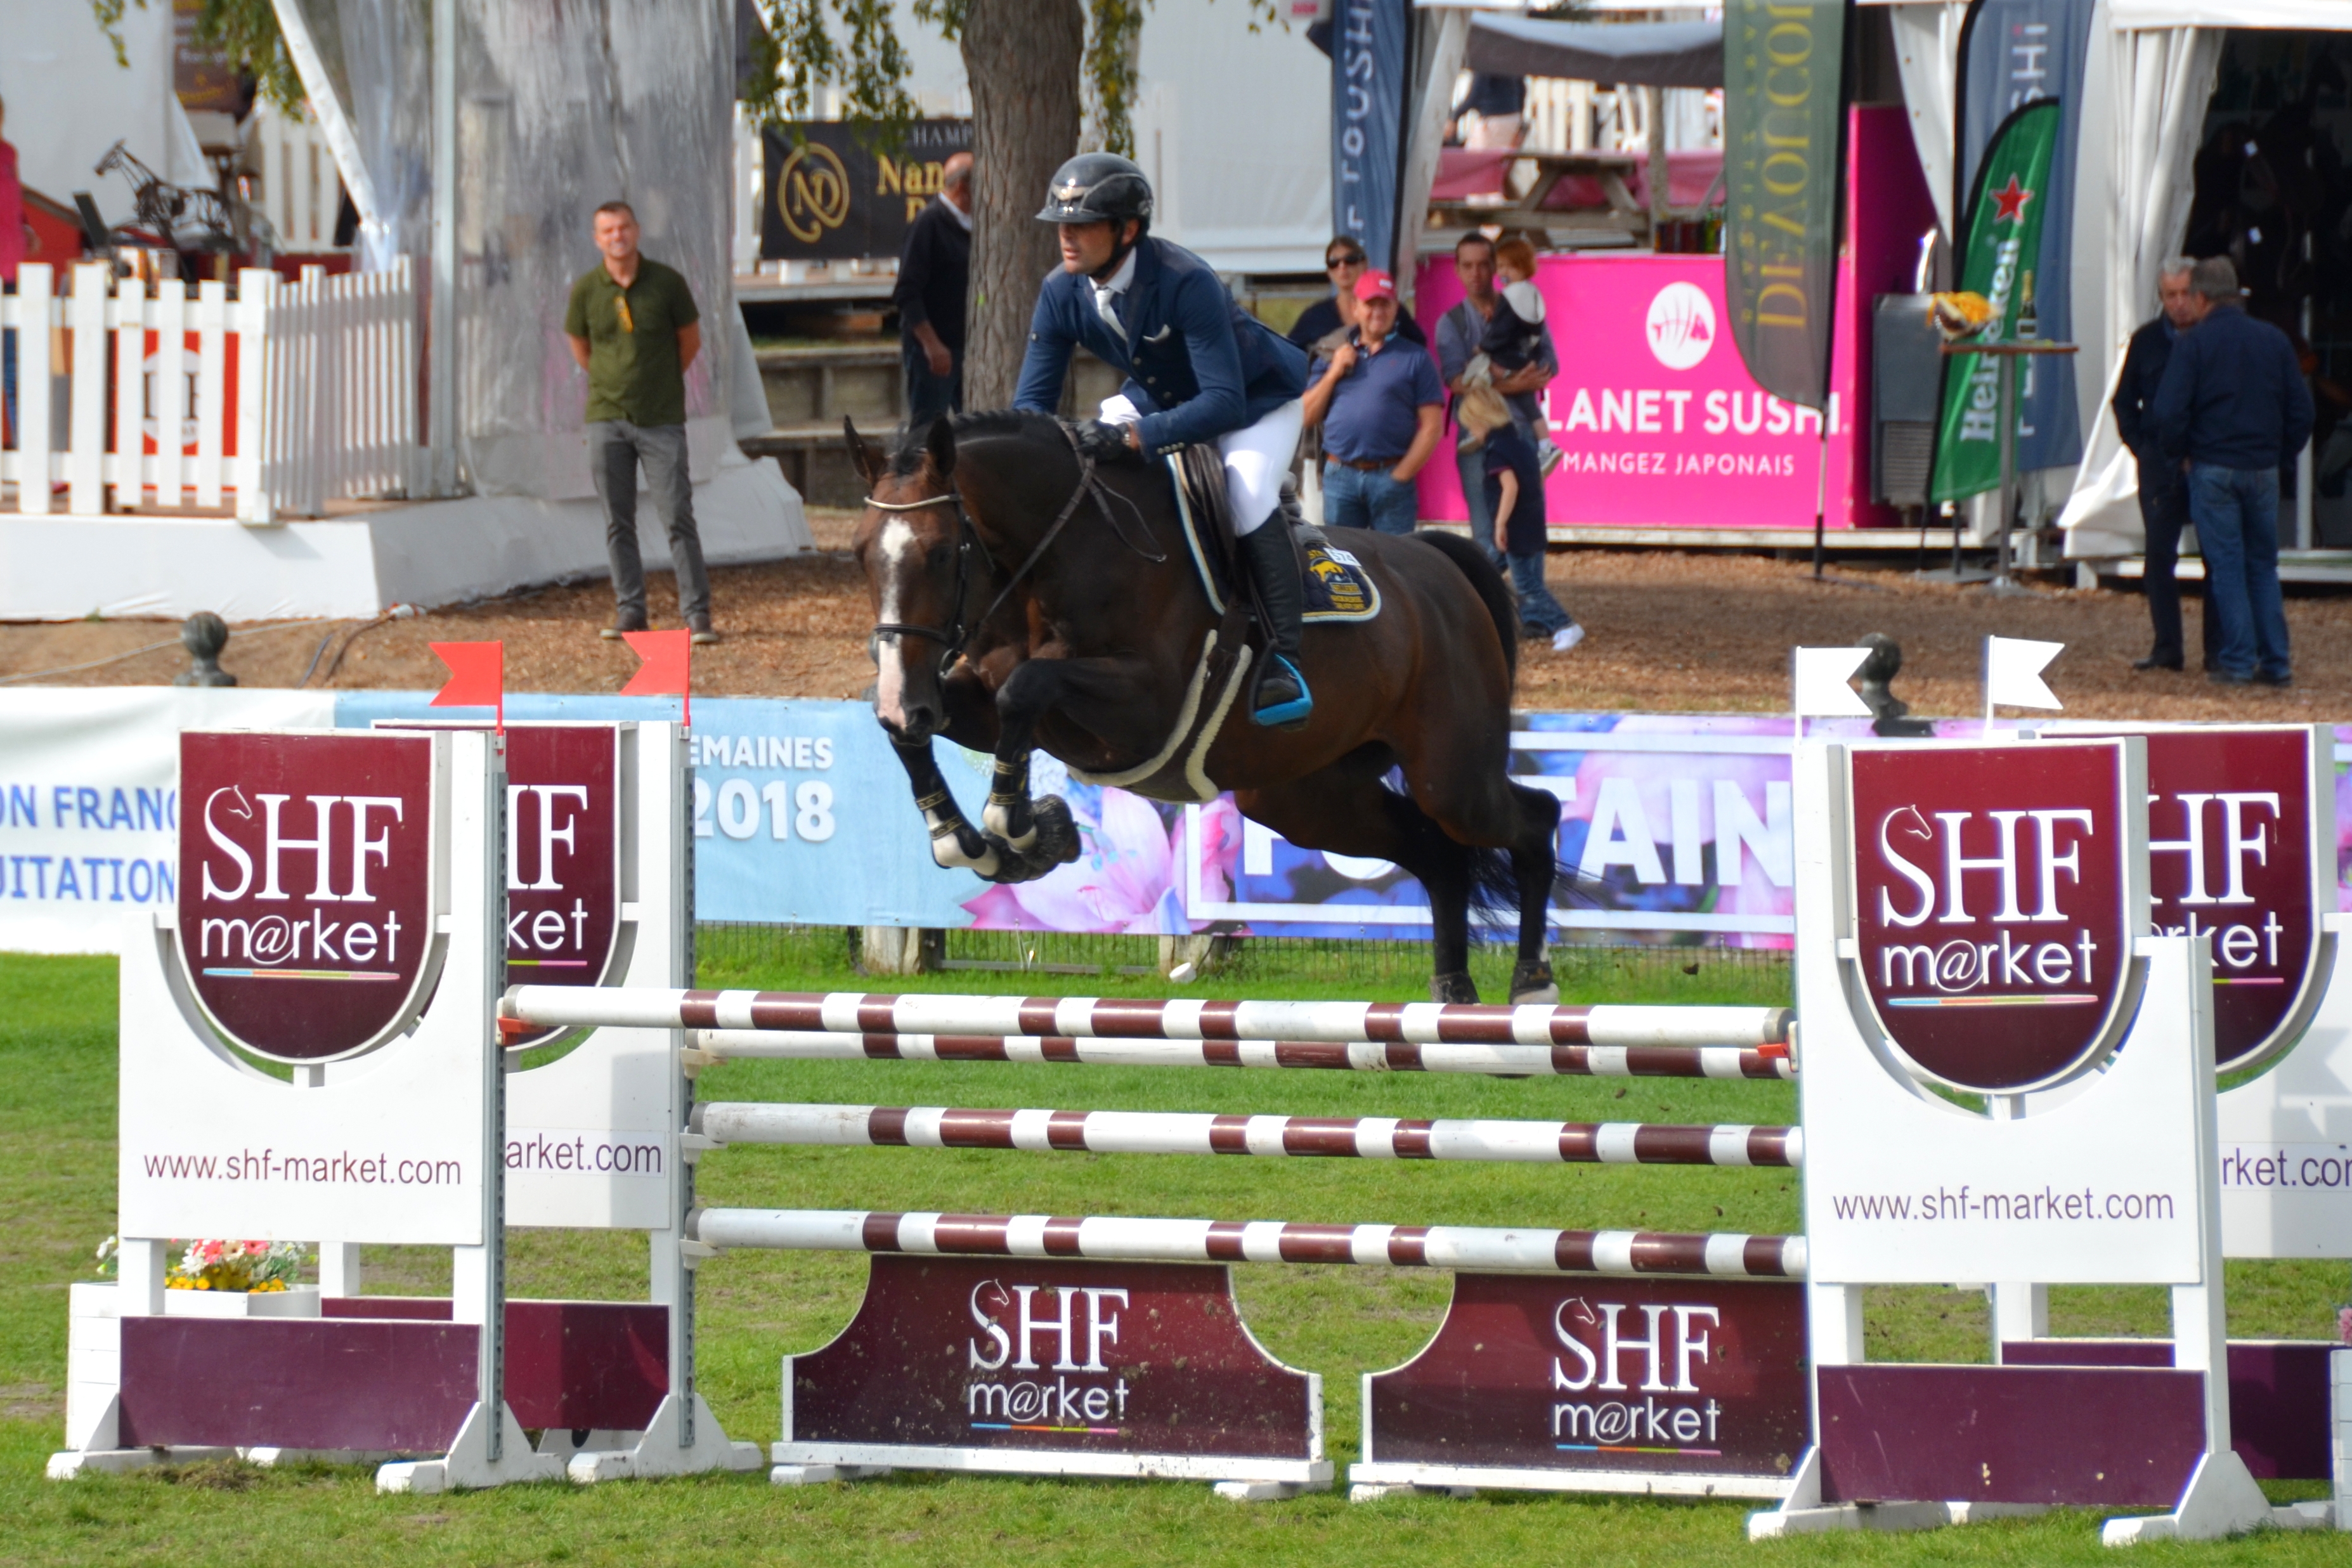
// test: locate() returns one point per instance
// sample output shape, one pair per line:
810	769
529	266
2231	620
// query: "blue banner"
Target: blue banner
1371	66
2014	52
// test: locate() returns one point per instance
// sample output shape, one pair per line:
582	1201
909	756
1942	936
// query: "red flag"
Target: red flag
477	677
668	667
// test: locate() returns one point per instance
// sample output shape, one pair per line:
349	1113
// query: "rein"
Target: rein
952	636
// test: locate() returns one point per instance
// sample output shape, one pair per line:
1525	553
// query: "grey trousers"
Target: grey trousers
615	447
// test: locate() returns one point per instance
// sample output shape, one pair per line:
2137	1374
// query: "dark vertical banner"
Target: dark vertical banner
2013	52
1783	80
2005	223
1370	67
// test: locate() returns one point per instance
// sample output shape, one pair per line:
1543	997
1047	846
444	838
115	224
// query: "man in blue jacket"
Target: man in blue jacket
1199	369
2234	404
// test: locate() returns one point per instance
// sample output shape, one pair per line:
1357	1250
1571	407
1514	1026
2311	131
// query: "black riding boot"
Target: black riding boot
1281	700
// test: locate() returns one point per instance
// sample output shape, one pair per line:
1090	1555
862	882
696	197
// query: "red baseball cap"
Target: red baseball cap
1376	285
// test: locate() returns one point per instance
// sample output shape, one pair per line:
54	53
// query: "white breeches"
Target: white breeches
1257	458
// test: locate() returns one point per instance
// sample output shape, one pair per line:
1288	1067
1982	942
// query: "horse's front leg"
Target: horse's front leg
1041	833
956	844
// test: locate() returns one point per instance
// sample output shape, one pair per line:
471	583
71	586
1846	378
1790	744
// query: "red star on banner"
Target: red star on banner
2008	203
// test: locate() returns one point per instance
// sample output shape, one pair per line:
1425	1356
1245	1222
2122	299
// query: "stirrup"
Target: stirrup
1289	714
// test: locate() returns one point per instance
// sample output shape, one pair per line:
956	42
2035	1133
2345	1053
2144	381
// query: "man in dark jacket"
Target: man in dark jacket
2234	404
2163	494
933	270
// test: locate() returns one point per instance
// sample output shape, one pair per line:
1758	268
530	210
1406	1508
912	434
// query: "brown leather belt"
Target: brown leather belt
1368	465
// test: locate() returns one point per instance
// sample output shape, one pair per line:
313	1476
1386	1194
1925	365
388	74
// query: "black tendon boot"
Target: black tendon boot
1281	700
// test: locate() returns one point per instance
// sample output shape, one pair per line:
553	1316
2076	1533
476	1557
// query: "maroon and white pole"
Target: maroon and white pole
1125	1017
1182	1132
1129	1240
1769	1061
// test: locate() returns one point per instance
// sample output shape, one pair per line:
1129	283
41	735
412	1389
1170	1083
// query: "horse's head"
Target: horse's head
917	553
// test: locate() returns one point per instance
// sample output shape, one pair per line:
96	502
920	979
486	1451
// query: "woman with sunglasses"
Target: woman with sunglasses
1343	260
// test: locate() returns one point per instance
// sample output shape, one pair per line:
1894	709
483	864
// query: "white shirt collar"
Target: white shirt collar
1119	279
957	213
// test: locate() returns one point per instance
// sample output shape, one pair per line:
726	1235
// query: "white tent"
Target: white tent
69	100
2162	59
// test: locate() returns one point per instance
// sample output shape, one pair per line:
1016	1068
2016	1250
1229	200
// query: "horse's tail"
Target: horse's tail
1490	587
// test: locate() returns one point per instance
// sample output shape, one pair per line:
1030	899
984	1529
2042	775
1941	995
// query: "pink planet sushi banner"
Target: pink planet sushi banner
1656	418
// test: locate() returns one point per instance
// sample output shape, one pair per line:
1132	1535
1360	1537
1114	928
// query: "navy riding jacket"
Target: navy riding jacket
2234	395
1198	365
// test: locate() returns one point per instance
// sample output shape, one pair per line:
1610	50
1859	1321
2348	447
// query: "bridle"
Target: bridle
958	631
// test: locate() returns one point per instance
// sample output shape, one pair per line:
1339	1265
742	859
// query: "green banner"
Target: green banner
1997	260
1783	68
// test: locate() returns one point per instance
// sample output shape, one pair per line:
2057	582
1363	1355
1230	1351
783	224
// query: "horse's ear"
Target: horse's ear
864	456
941	446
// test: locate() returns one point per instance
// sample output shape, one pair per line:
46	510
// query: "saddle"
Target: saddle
1338	587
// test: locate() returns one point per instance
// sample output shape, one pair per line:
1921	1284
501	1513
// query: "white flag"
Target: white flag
2013	669
1821	683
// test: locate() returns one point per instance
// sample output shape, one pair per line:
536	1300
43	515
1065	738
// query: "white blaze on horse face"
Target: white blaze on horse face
897	546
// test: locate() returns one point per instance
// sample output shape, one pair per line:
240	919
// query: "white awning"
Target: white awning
2309	15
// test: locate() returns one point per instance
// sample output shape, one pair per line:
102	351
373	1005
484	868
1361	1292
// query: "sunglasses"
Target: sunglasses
1333	261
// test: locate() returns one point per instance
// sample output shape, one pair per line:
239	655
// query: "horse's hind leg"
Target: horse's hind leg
1535	866
1345	809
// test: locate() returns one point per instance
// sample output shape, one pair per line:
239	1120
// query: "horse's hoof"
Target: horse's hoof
1457	987
1055	834
1532	983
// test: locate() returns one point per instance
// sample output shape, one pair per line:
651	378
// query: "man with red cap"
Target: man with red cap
1381	408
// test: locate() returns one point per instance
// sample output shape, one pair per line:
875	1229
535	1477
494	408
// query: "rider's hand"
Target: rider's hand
1102	440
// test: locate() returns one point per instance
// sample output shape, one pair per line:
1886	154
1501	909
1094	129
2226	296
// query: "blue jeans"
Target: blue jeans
1353	498
1537	608
2236	514
1472	466
929	396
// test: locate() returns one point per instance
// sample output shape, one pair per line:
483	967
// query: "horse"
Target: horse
1026	593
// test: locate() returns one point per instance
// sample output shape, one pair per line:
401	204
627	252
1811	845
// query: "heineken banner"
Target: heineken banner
1368	67
1782	99
2012	52
2000	247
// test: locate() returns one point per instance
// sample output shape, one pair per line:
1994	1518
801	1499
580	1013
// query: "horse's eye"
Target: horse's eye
939	555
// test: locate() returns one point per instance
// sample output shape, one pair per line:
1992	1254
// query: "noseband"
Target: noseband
952	636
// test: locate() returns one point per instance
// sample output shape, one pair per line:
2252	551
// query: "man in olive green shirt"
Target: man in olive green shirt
633	328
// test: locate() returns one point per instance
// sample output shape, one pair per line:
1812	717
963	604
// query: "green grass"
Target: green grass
57	1119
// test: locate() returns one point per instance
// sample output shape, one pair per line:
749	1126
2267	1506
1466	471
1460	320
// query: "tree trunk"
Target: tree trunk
1022	57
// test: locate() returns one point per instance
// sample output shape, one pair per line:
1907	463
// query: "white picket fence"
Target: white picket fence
289	396
300	190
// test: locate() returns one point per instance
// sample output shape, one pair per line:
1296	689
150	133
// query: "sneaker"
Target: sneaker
2262	679
703	635
1532	632
1548	456
622	624
1567	637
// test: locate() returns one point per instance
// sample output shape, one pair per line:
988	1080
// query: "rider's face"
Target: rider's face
1086	247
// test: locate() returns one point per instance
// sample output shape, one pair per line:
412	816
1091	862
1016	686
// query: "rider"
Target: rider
1199	368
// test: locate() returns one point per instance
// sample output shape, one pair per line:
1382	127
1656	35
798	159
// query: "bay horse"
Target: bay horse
1027	594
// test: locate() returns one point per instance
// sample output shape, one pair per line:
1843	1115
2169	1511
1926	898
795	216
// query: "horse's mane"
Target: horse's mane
907	458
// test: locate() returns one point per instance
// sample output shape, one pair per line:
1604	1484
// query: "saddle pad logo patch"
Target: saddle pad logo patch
1337	586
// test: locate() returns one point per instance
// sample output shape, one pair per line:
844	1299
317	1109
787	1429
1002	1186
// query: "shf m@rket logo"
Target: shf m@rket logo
1995	902
307	887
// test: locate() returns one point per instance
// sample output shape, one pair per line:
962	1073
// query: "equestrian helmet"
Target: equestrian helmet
1095	187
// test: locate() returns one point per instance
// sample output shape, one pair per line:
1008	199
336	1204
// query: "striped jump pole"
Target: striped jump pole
1126	1018
1766	1062
1180	1133
1123	1240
